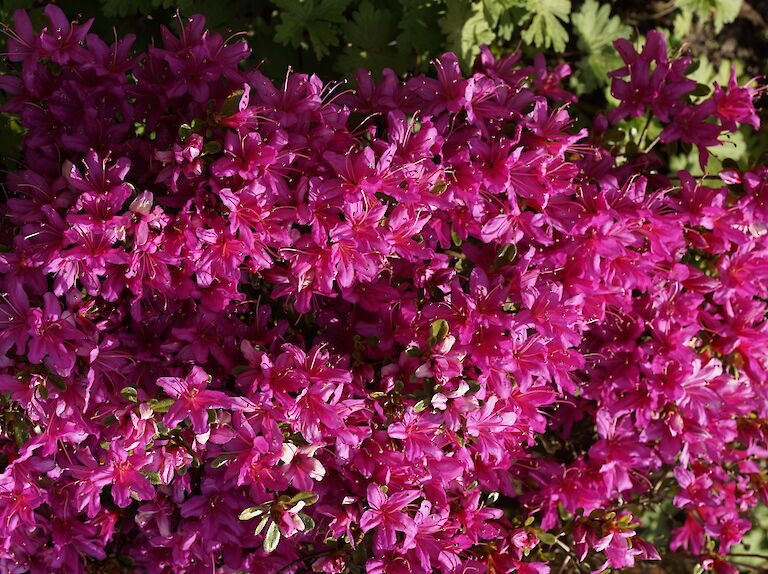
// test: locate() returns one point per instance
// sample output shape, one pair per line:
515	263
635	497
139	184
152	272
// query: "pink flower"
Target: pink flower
386	514
122	473
193	400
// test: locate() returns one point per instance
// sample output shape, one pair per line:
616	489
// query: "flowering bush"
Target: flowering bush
419	326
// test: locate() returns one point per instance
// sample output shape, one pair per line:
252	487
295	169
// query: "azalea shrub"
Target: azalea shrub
442	324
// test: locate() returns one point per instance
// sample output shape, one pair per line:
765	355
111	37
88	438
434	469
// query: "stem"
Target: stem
650	145
571	554
645	128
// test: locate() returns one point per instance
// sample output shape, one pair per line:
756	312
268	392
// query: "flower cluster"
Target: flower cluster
419	326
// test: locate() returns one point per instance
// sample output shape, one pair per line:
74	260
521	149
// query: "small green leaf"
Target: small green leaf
455	239
219	461
161	405
211	147
57	381
251	512
272	538
546	537
261	525
130	394
153	477
231	103
420	406
306	496
438	331
701	90
507	253
185	130
308	522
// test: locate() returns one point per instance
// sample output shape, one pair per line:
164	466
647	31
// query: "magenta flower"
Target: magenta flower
440	285
386	513
122	473
193	400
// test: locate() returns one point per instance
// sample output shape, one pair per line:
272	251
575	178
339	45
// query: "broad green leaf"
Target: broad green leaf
466	26
596	28
596	31
418	30
546	28
314	20
721	12
370	38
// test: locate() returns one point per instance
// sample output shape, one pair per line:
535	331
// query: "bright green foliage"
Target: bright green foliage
546	28
596	30
721	11
466	28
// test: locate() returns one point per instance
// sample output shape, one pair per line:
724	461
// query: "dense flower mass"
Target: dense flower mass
419	326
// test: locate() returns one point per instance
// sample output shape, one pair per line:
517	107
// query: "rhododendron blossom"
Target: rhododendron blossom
417	326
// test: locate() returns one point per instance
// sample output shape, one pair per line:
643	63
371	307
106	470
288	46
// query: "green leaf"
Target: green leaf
251	512
438	331
546	28
161	405
261	525
370	37
418	32
507	254
722	12
219	461
272	538
596	30
211	147
467	28
129	394
231	103
314	20
546	537
185	130
308	522
309	498
153	477
57	381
